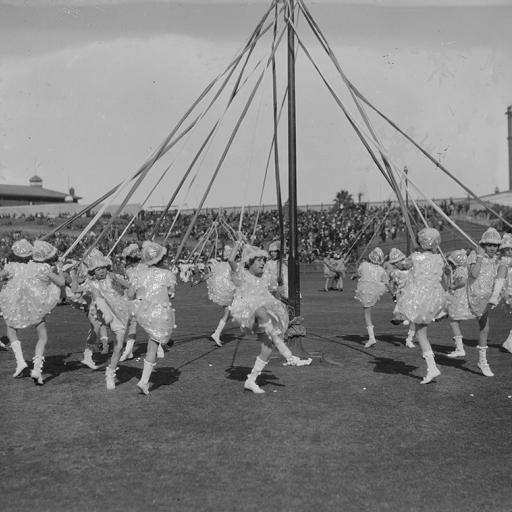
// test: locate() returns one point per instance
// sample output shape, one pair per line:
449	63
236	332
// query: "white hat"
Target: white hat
396	255
131	251
376	256
490	236
506	241
429	238
95	259
43	251
274	246
250	251
152	252
22	248
459	257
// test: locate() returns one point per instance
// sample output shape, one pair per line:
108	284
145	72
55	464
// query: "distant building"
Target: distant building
34	194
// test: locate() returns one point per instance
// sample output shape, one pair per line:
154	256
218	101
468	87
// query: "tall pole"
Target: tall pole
293	257
408	238
509	138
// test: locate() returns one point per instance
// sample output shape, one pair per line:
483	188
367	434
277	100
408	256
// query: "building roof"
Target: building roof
29	191
503	198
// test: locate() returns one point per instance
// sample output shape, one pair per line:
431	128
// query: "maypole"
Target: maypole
293	246
296	330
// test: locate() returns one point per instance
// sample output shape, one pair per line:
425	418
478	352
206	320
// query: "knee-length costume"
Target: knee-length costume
219	284
152	307
371	285
480	289
458	304
115	308
423	298
252	293
29	295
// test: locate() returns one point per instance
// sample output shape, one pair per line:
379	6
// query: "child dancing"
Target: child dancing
152	286
255	309
107	306
220	290
458	305
503	284
483	267
372	284
30	295
398	273
423	299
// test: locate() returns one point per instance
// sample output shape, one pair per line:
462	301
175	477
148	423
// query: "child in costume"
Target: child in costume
329	270
341	271
152	287
483	267
220	290
503	284
131	257
458	305
255	309
107	306
373	282
423	298
74	270
272	268
31	293
398	273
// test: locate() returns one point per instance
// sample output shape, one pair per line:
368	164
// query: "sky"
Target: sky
88	90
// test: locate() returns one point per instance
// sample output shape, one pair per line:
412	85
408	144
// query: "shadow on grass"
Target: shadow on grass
239	373
57	364
392	366
164	376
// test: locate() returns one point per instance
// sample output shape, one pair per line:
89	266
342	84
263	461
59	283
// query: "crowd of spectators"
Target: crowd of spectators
320	232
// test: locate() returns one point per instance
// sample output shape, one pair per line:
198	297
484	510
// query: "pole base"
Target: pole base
294	336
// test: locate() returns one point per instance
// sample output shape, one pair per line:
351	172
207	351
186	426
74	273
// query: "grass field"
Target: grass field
353	432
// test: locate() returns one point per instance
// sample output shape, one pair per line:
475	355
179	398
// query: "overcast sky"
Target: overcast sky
89	89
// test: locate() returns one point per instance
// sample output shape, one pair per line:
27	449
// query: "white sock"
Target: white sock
429	359
458	343
220	327
18	353
146	372
410	334
258	367
482	355
129	345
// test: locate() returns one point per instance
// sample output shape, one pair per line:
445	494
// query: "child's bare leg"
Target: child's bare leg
130	341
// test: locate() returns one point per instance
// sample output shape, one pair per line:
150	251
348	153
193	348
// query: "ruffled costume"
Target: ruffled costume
272	269
458	305
506	292
220	286
152	308
252	293
479	290
329	266
371	285
423	299
107	306
29	295
397	280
